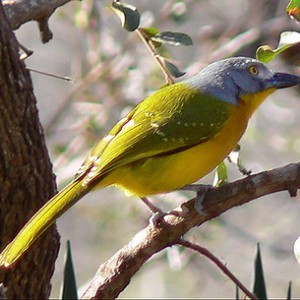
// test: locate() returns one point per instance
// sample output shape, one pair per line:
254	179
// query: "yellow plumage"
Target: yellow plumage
173	171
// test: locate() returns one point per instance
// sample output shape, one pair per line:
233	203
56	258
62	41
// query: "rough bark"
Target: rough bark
21	11
26	179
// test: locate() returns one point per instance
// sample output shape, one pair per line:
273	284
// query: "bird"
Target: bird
171	139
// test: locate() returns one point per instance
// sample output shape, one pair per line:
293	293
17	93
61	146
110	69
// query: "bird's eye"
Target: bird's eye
253	70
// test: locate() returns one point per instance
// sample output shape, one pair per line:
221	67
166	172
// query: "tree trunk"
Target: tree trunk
26	178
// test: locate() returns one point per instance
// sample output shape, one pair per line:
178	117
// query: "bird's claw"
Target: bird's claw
199	202
201	190
157	213
157	218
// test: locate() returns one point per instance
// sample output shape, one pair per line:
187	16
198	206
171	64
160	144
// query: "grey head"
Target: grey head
231	78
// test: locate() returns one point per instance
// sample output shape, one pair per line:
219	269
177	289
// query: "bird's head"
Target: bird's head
238	78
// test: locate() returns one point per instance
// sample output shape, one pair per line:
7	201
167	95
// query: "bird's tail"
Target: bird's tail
42	220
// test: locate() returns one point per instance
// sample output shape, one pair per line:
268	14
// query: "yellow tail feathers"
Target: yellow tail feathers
42	220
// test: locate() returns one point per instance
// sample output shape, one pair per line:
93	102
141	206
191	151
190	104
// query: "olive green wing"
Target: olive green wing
172	119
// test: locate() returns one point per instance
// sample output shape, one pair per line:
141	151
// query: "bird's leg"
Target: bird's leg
234	157
200	198
157	213
201	190
243	170
152	208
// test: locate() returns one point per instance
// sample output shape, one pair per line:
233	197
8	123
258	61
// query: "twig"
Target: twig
65	78
219	264
156	56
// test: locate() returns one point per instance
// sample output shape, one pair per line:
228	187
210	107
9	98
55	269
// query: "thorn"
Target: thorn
27	52
66	78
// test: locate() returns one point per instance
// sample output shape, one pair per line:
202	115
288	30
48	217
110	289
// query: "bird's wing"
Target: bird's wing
172	119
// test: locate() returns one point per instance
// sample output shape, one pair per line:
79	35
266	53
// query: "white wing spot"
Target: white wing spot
122	120
91	174
108	138
160	133
98	160
186	125
165	139
93	158
155	125
129	124
149	114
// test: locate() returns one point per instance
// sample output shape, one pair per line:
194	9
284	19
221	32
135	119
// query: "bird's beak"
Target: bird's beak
282	80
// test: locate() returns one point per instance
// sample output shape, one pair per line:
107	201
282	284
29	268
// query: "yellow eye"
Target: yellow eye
253	70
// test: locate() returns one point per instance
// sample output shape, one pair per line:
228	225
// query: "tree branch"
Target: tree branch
115	274
149	45
21	11
203	251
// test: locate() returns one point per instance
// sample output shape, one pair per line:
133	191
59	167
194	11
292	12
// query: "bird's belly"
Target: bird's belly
161	174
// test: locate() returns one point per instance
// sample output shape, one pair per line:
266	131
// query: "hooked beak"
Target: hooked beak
282	80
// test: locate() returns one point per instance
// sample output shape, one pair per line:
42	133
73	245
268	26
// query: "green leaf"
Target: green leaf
289	293
287	40
69	289
128	14
150	31
221	175
259	286
173	38
173	70
297	249
293	9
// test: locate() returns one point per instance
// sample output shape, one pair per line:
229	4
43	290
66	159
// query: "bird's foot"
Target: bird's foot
234	157
157	213
201	190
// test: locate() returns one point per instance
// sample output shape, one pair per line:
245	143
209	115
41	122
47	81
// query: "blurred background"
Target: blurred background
113	72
